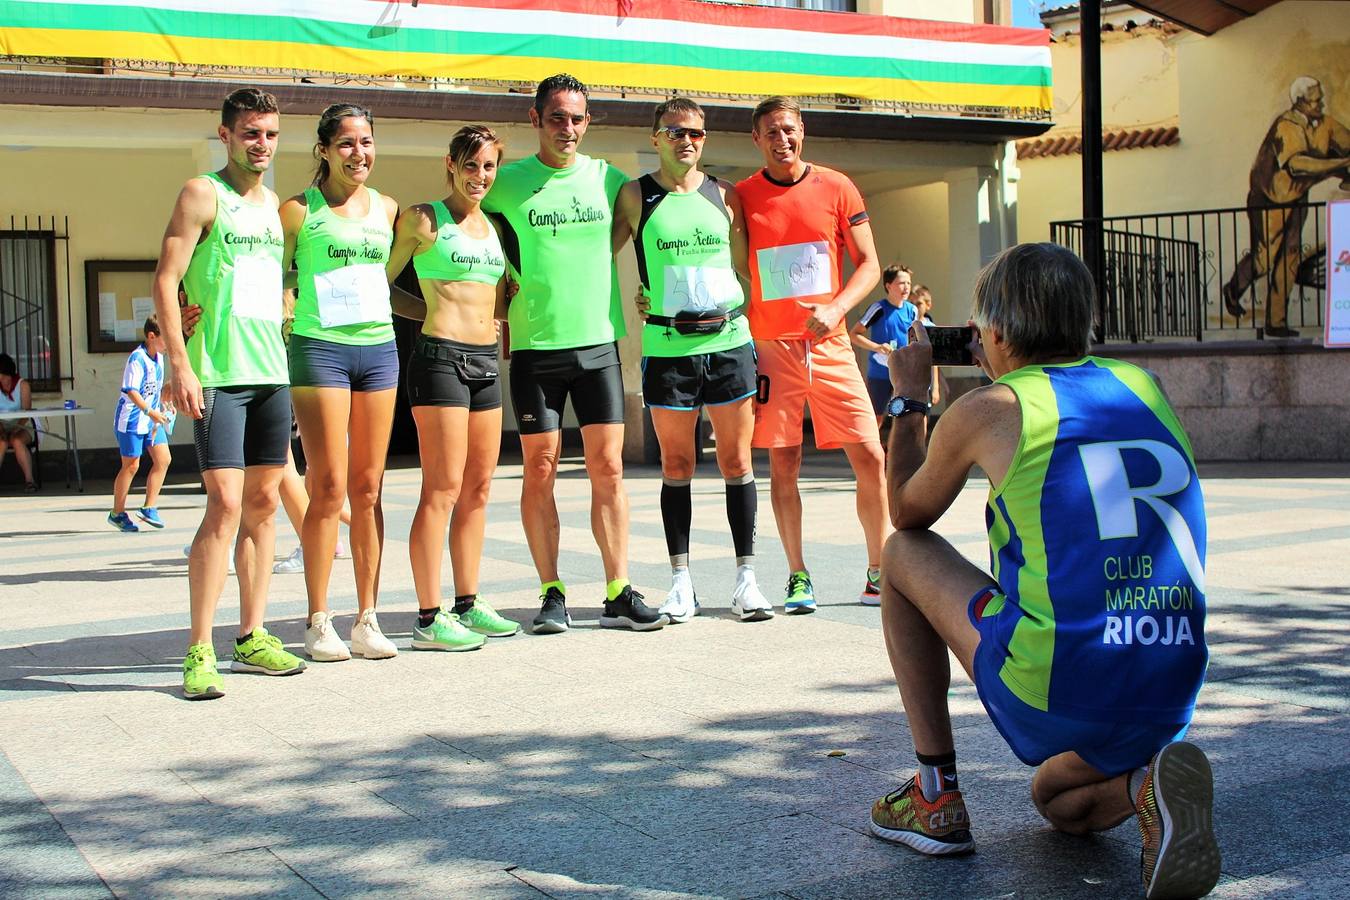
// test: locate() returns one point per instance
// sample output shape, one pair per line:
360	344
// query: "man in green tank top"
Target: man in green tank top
689	234
554	210
224	244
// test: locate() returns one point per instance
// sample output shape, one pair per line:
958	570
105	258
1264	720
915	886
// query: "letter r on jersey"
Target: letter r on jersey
1113	497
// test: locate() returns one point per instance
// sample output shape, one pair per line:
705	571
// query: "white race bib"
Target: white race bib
256	290
883	357
700	289
797	270
352	295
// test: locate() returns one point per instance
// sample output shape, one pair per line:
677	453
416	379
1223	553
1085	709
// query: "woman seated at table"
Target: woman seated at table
16	433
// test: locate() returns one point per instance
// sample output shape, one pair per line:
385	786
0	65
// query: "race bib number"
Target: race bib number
352	295
700	289
797	270
256	290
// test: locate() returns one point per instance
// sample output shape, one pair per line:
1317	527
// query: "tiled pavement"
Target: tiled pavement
687	762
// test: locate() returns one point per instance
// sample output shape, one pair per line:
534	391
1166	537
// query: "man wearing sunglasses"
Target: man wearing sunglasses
697	350
800	219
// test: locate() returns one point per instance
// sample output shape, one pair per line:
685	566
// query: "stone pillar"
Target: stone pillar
983	222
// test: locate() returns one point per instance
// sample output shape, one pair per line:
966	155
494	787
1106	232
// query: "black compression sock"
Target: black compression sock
742	509
426	616
677	513
463	603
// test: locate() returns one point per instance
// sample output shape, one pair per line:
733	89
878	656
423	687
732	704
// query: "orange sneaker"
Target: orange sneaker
1180	857
939	828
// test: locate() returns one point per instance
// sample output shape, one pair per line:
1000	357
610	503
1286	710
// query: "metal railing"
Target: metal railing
1198	272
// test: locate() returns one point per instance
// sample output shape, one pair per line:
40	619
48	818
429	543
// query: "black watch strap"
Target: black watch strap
899	406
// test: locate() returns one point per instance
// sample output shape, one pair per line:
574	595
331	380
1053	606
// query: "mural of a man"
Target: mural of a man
1303	147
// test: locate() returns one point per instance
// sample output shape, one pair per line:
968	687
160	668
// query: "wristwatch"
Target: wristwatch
899	406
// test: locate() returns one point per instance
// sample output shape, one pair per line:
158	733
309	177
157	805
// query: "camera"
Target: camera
952	344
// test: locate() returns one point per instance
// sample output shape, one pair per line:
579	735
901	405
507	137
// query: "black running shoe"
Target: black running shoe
553	617
628	611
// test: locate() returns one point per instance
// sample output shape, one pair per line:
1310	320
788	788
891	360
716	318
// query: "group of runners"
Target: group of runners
1094	491
533	243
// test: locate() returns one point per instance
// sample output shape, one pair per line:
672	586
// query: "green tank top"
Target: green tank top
235	277
555	226
343	291
456	256
683	245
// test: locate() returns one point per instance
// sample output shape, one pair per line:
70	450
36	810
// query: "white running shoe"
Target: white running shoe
747	601
369	641
322	643
291	565
229	560
681	602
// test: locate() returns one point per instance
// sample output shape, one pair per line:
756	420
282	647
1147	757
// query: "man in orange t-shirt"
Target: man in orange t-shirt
801	218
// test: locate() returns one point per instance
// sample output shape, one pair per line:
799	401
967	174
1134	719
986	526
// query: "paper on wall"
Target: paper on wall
142	308
107	313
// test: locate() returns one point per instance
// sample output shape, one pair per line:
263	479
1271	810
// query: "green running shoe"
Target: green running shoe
801	597
263	653
485	620
201	680
446	632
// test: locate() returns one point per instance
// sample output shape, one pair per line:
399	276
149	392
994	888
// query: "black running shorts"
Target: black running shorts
541	381
442	372
704	379
243	426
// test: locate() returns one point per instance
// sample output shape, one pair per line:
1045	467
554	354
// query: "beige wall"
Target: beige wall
115	173
911	227
1223	91
937	10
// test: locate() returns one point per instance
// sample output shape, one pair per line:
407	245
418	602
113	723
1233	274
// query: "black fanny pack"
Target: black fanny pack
704	323
471	366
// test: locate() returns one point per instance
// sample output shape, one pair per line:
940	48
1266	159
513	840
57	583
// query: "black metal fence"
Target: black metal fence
1186	274
29	272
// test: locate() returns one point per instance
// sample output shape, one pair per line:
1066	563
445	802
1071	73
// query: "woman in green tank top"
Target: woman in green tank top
454	390
344	368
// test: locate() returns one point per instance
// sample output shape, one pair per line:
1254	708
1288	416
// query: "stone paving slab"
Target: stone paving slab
691	762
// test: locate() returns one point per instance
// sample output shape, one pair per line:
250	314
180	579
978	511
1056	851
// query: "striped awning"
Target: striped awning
686	46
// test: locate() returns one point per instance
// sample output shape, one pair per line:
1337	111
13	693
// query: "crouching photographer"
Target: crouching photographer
1086	638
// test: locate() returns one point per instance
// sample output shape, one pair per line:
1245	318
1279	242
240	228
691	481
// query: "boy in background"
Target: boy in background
141	425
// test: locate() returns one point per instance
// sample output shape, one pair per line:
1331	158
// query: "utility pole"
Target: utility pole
1094	250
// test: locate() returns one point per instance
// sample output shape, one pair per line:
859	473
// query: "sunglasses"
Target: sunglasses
675	133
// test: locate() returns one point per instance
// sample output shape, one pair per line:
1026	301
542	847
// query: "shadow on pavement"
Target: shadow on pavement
450	786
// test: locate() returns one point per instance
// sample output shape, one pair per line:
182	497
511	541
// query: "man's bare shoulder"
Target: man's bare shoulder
986	403
197	190
986	425
629	201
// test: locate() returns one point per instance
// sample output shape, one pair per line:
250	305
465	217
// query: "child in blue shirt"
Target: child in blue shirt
887	322
141	426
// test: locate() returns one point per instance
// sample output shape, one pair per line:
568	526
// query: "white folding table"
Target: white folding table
72	444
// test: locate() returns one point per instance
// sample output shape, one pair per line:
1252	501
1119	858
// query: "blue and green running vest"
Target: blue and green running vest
1097	541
